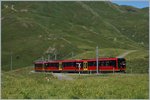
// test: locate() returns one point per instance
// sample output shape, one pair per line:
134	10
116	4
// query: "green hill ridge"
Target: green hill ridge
31	30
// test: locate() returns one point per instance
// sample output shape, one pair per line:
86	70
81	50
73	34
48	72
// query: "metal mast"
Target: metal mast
11	61
97	59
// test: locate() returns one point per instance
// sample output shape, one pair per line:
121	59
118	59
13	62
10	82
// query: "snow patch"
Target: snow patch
50	50
6	6
24	10
40	36
115	39
12	8
66	40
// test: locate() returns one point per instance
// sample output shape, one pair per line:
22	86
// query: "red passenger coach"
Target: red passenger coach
69	65
84	65
52	66
39	66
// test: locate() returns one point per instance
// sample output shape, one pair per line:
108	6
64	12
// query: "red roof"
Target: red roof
77	60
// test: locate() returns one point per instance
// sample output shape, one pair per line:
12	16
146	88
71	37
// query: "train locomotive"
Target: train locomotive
83	65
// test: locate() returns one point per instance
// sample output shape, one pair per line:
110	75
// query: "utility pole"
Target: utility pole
11	61
55	55
48	57
97	59
72	55
79	66
42	63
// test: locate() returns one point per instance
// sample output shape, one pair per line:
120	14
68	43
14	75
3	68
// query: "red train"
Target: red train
84	65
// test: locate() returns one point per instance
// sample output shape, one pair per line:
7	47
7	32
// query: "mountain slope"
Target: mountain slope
31	30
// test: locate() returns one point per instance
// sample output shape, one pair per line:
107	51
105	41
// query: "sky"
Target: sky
138	4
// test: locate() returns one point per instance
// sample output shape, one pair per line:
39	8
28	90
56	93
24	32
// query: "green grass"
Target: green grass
72	27
23	84
107	52
137	62
63	26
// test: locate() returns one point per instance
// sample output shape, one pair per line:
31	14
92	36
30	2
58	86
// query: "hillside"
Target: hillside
31	30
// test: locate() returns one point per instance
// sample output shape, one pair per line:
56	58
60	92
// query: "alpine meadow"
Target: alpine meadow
32	30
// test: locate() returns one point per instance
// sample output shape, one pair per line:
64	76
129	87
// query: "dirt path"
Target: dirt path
126	53
61	76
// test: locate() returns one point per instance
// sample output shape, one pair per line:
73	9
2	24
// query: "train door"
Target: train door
60	65
85	65
121	64
43	66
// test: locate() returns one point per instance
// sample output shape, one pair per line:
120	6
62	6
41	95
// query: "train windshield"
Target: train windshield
121	63
38	65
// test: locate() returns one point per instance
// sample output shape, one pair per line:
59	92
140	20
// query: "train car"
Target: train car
69	65
39	66
121	64
104	64
107	64
84	65
52	66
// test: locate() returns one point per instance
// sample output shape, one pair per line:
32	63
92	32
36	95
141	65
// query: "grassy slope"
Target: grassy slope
137	62
67	27
24	84
79	29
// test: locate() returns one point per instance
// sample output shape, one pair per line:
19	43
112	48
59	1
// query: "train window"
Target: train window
53	64
99	63
107	63
56	65
73	64
121	62
102	63
50	64
113	63
94	63
91	63
81	65
38	65
46	65
66	64
70	64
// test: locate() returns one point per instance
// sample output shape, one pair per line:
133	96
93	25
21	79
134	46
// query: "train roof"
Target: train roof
39	62
75	60
102	59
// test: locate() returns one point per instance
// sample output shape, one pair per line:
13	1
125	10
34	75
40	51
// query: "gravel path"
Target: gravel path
126	53
62	76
